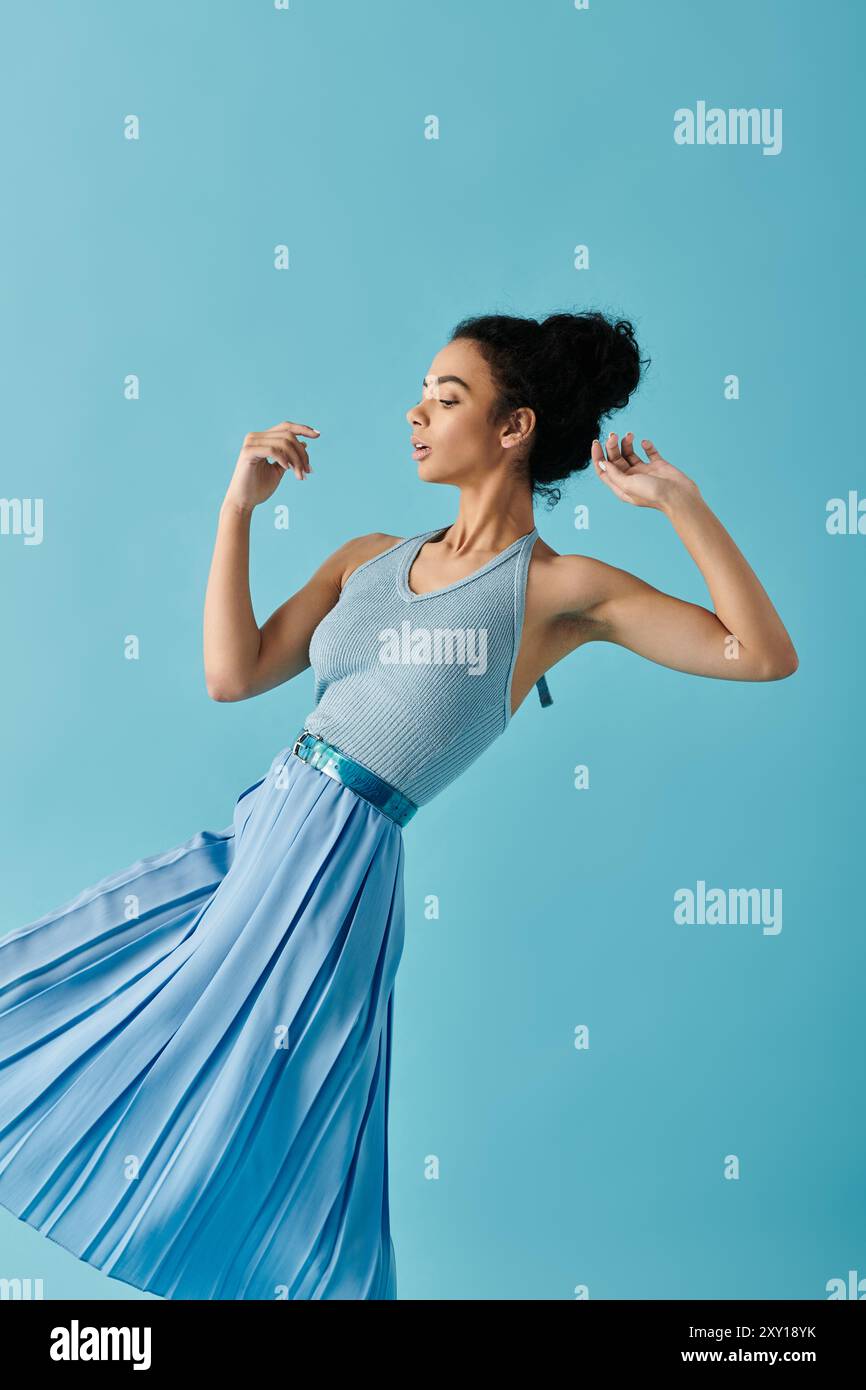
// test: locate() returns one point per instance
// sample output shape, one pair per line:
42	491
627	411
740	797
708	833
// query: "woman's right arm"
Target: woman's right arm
241	659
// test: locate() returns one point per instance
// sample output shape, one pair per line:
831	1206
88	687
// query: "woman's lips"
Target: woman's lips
420	452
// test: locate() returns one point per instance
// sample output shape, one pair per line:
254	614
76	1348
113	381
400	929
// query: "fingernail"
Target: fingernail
602	467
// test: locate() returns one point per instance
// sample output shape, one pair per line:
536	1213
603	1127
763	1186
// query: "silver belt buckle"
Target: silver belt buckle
297	743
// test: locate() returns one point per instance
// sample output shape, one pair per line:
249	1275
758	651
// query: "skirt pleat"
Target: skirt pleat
195	1055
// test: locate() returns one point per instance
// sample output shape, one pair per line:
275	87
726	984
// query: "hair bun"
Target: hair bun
571	369
606	351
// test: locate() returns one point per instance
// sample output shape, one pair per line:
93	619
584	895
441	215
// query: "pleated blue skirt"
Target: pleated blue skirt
195	1055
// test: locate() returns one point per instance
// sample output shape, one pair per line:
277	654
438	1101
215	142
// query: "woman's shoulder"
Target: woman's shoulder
361	549
559	585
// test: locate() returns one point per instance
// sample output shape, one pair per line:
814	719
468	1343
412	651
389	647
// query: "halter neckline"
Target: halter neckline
414	548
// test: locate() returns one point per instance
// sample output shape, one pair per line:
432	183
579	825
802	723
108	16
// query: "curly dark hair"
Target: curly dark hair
573	370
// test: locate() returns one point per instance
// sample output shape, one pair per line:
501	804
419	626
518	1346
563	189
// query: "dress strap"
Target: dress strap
521	574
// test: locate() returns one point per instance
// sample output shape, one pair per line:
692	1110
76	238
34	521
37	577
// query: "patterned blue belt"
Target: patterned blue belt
328	759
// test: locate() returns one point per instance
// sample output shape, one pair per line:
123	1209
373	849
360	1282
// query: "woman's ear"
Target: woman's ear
520	427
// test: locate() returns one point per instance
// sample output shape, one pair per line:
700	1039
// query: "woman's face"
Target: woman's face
452	418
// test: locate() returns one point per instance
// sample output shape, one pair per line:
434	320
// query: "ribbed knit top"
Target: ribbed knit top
416	686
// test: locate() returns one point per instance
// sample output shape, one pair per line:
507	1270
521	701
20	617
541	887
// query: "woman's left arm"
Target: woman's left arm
744	639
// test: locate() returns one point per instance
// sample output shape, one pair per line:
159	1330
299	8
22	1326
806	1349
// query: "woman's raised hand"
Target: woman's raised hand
643	484
255	478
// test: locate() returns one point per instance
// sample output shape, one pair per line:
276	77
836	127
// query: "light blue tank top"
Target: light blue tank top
416	686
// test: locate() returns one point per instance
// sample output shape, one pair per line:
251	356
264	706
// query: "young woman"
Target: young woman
195	1051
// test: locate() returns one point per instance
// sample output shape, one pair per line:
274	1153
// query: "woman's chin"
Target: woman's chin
429	473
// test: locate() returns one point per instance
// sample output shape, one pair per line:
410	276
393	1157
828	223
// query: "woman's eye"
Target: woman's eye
444	402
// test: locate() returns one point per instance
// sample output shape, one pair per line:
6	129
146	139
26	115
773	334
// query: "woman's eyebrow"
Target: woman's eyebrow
440	379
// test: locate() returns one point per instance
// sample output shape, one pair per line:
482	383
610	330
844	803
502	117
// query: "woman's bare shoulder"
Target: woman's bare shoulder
567	584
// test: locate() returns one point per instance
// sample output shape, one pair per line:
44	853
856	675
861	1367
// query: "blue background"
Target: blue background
259	127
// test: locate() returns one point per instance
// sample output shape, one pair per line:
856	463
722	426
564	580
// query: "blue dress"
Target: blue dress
194	1055
195	1051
